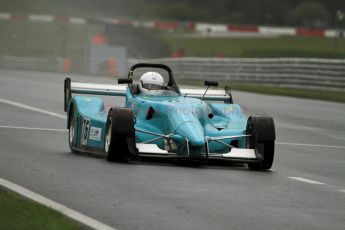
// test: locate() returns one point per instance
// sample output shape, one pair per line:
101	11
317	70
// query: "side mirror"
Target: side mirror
228	92
211	83
208	84
125	81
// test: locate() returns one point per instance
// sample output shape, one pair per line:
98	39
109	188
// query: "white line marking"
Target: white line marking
297	127
5	16
20	105
331	186
307	180
311	145
88	221
42	18
31	128
77	21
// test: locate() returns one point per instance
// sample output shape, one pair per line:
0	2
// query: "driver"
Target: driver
151	83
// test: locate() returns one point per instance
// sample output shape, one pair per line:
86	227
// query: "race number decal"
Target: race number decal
95	133
85	131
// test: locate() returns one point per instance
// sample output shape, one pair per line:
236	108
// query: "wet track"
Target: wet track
304	190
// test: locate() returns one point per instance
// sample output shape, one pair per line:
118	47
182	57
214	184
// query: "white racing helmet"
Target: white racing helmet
151	81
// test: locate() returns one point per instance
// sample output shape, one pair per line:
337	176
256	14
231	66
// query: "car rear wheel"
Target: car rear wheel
119	143
262	139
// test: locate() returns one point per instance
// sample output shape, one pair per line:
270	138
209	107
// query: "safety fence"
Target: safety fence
98	64
292	72
31	63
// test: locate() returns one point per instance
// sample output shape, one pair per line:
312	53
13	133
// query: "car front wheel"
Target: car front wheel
262	131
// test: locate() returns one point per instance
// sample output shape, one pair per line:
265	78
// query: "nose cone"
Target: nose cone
193	132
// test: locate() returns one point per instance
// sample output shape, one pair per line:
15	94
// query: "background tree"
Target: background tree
310	14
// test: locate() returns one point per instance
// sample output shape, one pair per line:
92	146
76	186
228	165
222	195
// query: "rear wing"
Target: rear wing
211	95
91	88
120	90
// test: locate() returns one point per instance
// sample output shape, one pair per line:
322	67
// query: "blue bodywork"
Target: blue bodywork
91	109
188	120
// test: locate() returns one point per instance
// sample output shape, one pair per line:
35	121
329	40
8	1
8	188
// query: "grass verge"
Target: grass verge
334	96
315	47
19	213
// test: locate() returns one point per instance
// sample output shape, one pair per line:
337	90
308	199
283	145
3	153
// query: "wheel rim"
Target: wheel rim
71	132
108	139
252	139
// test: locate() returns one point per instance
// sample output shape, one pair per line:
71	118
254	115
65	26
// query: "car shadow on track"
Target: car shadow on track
197	164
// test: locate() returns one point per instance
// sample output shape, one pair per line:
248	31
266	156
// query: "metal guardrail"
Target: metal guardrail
98	64
292	72
31	63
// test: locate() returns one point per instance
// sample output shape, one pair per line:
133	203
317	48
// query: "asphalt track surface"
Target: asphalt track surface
304	190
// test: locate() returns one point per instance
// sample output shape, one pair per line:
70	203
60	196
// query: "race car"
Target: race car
165	121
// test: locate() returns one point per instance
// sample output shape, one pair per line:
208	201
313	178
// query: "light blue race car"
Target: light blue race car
168	122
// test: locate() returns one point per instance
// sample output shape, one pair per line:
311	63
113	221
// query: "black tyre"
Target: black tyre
262	139
71	129
119	144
